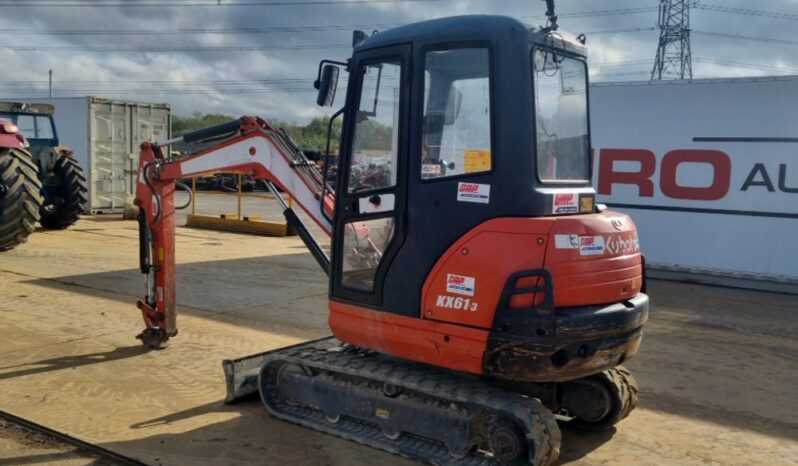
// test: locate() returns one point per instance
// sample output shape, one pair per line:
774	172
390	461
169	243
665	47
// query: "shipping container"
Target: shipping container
105	135
708	169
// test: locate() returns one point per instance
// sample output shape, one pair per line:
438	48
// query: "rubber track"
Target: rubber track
19	206
72	189
80	444
538	422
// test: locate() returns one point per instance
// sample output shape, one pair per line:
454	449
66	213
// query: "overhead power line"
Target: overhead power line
289	29
746	11
620	63
276	30
619	11
171	82
157	91
754	66
620	31
227	49
197	3
138	32
742	37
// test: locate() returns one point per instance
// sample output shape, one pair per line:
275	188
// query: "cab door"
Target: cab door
370	199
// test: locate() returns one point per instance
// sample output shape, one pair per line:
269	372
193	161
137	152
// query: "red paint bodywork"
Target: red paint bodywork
457	338
13	140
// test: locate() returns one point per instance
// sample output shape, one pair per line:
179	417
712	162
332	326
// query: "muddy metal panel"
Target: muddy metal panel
708	170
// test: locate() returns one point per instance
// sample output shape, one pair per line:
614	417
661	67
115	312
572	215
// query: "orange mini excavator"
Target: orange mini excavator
477	293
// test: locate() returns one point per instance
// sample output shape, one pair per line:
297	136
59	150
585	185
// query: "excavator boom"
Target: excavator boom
251	146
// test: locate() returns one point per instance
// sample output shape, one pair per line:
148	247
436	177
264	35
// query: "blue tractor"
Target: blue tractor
63	183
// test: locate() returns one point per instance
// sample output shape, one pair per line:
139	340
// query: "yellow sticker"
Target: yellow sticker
476	160
586	204
383	413
160	254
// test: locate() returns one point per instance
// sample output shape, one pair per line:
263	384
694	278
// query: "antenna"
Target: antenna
674	59
552	26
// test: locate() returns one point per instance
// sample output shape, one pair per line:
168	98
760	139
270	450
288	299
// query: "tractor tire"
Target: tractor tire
65	201
20	198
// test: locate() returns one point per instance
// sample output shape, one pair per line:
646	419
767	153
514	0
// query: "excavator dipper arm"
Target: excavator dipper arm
250	146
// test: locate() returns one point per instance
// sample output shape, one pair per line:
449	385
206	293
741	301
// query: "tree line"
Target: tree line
309	137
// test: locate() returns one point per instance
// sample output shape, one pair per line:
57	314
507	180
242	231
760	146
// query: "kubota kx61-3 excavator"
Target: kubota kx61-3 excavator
477	292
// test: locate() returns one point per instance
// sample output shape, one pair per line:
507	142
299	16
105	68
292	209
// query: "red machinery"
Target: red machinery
20	197
475	287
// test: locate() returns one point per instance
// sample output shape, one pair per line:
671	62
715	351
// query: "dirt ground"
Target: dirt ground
718	368
19	446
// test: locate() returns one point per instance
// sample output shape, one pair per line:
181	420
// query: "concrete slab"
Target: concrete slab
718	368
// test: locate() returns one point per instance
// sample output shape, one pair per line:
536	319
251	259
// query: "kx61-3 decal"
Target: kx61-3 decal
454	302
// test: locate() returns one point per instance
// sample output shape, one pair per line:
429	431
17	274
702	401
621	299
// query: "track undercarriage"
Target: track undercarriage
426	413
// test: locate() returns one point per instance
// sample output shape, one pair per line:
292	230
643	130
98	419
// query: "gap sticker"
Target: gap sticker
473	192
460	284
565	203
591	245
566	241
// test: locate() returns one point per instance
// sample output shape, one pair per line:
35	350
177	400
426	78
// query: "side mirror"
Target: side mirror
327	85
453	104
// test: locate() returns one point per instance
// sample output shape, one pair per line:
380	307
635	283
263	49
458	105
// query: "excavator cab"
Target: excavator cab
464	196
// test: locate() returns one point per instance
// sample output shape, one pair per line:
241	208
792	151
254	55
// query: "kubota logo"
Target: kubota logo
469	187
563	199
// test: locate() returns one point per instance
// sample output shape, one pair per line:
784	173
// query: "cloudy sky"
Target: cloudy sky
260	56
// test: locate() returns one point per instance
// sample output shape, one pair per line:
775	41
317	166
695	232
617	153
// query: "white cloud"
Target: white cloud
122	72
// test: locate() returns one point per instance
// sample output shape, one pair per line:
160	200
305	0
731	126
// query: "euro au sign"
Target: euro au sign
473	192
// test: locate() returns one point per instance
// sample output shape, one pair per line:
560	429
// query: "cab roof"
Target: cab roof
26	108
493	28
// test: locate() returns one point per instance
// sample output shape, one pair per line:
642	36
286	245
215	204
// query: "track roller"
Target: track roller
600	401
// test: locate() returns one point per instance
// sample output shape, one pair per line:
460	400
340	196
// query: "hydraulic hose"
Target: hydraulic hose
145	174
187	189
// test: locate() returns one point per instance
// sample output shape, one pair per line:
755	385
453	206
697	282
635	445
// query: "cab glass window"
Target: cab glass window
35	126
456	136
365	241
26	126
375	146
44	128
561	135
